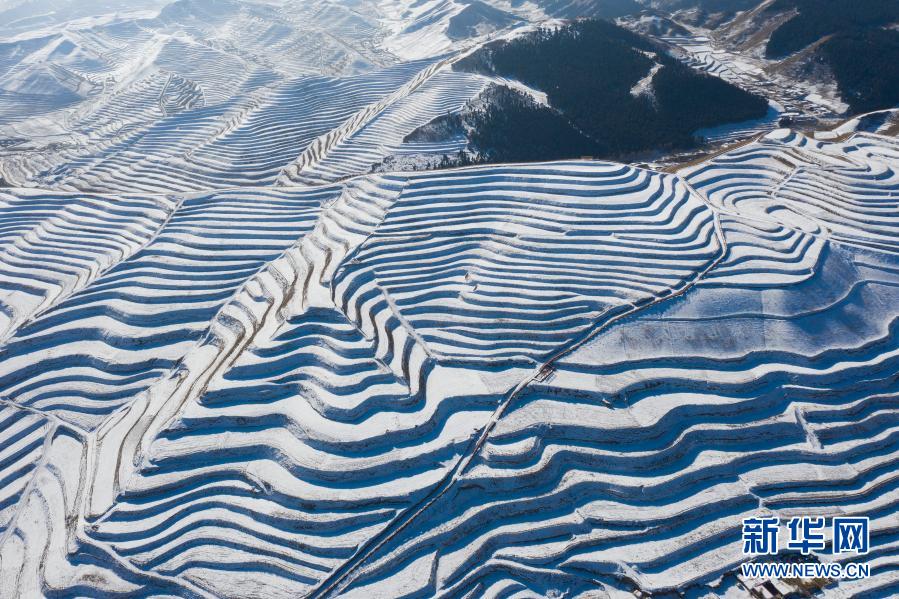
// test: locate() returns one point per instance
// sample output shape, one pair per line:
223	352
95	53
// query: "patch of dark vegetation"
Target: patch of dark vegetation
817	19
507	125
588	70
461	159
866	67
441	128
512	127
854	43
603	9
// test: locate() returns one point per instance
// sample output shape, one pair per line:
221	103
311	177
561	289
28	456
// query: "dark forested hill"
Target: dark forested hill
612	93
866	67
845	45
817	19
853	40
606	9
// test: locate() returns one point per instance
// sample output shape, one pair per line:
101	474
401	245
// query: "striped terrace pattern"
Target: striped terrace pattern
519	380
835	190
221	75
631	466
508	263
310	404
336	426
108	340
330	436
324	446
291	37
446	92
244	141
55	244
22	439
764	254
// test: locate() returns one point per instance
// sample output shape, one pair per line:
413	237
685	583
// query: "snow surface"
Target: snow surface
234	362
450	372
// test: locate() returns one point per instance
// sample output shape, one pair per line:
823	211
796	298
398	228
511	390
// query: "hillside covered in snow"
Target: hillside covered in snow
256	342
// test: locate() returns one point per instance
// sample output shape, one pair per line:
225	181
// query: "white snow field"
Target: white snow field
237	360
221	93
522	380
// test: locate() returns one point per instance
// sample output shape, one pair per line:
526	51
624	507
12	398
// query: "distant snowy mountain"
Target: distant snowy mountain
26	15
433	27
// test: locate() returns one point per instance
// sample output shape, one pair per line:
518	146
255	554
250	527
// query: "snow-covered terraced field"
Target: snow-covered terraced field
638	458
99	313
508	263
845	191
241	142
22	435
520	380
55	244
236	360
444	93
220	93
208	94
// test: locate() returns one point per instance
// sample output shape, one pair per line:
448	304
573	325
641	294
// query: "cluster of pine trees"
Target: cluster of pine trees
817	19
866	67
855	42
511	127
